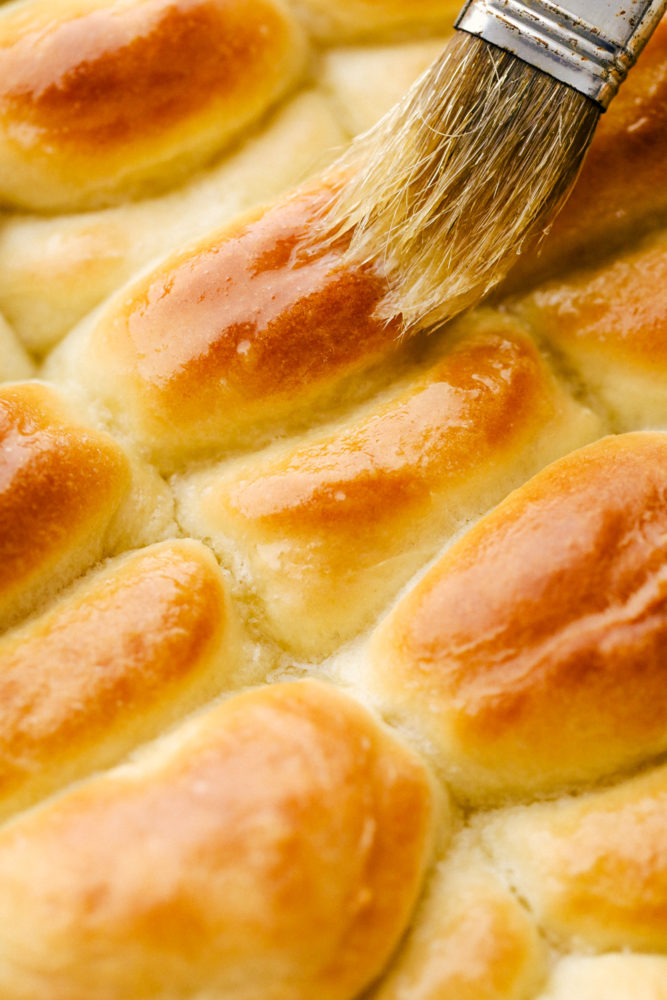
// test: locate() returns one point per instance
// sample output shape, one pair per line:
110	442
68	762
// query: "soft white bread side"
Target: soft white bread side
593	869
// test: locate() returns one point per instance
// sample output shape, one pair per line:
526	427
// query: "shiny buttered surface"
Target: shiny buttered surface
332	664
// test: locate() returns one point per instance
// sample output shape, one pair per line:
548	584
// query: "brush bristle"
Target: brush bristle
456	180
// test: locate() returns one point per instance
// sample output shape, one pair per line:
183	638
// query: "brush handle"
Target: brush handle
587	44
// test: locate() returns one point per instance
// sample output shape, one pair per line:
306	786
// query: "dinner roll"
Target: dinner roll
332	659
61	483
326	532
532	654
243	330
612	328
273	848
102	99
592	869
472	939
111	664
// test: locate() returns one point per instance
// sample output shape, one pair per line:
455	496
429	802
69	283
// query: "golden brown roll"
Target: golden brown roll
274	848
325	533
102	98
247	328
79	259
218	384
592	869
472	939
532	654
114	662
611	324
61	484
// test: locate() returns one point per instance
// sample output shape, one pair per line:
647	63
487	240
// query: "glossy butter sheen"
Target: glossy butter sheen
126	642
533	652
115	93
60	484
241	328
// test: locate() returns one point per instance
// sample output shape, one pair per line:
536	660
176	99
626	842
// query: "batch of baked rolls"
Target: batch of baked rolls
333	663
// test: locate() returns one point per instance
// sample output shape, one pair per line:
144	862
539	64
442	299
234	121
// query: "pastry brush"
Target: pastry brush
475	162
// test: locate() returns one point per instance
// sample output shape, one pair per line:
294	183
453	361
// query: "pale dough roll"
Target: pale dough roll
593	869
611	323
471	940
245	329
609	977
325	532
61	484
273	848
336	20
77	261
14	361
364	81
532	654
114	662
101	99
621	191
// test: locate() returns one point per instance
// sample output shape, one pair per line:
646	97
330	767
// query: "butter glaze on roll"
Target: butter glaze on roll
532	654
133	647
100	99
328	531
241	330
274	849
61	483
163	837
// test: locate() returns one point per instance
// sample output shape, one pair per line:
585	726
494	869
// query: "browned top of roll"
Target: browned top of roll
618	311
274	851
60	484
109	75
246	324
121	648
534	651
104	95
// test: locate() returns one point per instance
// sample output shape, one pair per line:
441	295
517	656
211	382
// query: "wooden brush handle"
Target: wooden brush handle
587	44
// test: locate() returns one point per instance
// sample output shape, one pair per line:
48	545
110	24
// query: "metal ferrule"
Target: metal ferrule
588	44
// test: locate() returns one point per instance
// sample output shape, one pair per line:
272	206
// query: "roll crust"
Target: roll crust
594	868
61	484
132	648
533	653
329	531
106	97
274	850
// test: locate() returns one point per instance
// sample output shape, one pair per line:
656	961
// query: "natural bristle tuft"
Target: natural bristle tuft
456	180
